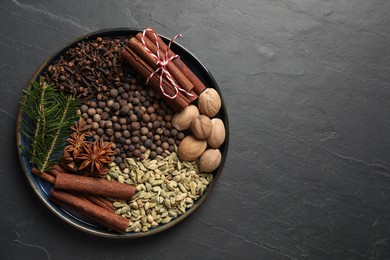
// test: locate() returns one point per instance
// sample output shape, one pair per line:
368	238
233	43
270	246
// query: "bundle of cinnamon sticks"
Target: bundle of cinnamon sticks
88	196
145	64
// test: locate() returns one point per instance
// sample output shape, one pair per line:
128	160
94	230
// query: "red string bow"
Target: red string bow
162	63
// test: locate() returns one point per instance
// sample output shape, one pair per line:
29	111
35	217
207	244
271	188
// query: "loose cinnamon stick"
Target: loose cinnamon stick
84	207
55	172
58	168
198	85
108	203
99	201
135	44
49	178
94	199
179	103
95	186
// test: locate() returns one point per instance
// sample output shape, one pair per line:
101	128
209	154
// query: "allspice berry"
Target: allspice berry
201	127
210	160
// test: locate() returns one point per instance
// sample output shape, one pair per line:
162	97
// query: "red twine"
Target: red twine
162	62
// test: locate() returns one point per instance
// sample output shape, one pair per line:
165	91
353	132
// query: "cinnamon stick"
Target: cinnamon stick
55	172
47	177
107	202
58	168
198	84
135	44
95	186
145	70
179	103
99	201
86	208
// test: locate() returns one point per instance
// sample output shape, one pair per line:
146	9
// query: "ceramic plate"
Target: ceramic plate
42	188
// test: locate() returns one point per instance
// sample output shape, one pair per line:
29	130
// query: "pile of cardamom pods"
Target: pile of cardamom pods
166	188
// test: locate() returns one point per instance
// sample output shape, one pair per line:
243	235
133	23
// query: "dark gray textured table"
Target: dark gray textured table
307	88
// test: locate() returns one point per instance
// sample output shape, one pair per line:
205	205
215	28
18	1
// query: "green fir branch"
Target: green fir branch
48	117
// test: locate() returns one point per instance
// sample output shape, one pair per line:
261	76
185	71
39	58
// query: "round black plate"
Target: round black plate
42	188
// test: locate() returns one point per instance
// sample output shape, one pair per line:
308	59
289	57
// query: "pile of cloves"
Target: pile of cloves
90	69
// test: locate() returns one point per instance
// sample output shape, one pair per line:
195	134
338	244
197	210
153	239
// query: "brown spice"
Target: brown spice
198	85
90	69
94	212
94	158
81	127
76	142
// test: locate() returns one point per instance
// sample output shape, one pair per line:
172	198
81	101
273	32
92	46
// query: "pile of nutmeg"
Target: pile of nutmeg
207	132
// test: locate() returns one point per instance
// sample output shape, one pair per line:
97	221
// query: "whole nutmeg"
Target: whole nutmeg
191	148
182	120
210	160
209	102
217	136
201	127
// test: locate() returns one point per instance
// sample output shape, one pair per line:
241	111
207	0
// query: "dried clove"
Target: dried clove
90	69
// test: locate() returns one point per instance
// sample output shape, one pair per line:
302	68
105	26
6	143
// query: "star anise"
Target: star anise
76	142
106	146
81	127
67	162
96	157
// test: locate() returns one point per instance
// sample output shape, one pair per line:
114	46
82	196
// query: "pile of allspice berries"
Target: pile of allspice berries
207	132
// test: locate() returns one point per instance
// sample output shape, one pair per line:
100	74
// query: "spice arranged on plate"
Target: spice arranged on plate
173	83
90	157
206	131
146	138
90	69
166	188
48	116
134	119
87	196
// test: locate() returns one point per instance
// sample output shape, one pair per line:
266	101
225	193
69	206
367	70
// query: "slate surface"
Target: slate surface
307	87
